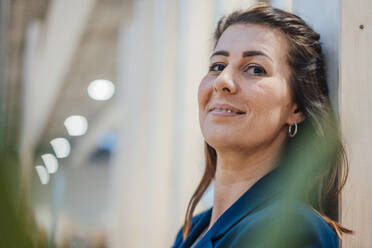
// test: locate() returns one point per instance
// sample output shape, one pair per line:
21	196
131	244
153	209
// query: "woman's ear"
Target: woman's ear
296	115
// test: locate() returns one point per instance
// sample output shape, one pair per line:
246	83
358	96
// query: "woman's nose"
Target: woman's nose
224	83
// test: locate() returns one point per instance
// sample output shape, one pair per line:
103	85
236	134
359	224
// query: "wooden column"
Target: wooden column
355	103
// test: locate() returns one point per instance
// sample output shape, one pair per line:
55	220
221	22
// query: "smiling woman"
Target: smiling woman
247	76
272	141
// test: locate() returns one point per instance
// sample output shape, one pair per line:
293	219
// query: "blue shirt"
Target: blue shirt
263	217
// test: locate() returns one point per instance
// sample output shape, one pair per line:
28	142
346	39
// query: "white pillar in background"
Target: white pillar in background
128	171
162	56
194	36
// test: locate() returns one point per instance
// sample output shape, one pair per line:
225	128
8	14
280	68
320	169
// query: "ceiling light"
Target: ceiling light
76	125
101	89
43	174
61	147
51	163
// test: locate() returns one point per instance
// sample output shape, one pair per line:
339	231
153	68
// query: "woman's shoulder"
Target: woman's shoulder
315	222
295	225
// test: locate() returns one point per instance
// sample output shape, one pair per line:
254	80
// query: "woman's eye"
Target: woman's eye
256	70
217	67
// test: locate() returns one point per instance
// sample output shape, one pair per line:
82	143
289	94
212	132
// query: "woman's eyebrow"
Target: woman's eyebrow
245	54
255	53
223	53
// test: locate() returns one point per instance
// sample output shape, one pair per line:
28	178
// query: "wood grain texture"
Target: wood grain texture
355	105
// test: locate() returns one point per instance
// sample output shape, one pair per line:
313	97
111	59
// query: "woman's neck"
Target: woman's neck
236	173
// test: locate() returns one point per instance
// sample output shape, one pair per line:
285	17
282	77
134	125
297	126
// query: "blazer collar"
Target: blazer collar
197	228
258	195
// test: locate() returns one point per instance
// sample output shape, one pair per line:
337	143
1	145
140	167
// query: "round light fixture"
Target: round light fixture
76	125
61	147
101	89
51	162
42	173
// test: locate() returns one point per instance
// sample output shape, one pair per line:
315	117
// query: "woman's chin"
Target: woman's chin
223	141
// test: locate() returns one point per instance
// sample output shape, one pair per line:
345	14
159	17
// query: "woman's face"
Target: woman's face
244	99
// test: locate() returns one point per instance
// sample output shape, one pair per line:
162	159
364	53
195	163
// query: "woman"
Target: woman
272	143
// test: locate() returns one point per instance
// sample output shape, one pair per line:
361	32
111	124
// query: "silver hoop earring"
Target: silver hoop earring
291	132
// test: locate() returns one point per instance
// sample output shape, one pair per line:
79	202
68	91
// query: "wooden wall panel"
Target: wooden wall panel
355	104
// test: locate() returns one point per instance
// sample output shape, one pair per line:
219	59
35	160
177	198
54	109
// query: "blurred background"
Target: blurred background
99	136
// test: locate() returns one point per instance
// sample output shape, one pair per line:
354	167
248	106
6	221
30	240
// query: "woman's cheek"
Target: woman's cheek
202	100
265	96
256	98
204	92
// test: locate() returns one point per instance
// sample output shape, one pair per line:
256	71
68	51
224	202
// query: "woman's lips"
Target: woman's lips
220	112
223	109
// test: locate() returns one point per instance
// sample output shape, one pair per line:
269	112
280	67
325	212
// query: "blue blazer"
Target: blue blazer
263	217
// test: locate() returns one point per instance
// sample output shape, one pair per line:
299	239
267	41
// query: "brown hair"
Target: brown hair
310	91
